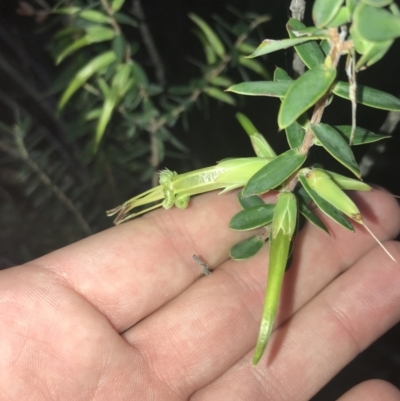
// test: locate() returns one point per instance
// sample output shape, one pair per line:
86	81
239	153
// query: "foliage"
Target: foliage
360	30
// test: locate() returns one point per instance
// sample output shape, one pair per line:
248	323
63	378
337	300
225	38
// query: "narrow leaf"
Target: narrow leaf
309	52
369	96
347	183
279	169
334	144
95	65
253	217
303	201
211	36
362	136
220	95
255	66
269	46
260	145
116	5
325	206
324	11
377	3
295	134
305	92
281	75
249	201
261	88
94	16
247	248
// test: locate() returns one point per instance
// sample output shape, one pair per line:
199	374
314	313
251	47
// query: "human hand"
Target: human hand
123	315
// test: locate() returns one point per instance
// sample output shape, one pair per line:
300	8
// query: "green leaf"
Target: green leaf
374	51
67	10
342	17
282	229
308	213
253	217
369	96
211	36
376	24
249	201
279	169
281	75
220	95
309	52
220	81
260	145
324	11
94	16
269	46
261	88
247	248
362	136
305	92
334	144
125	19
95	65
95	34
295	134
377	3
116	5
325	206
255	66
106	114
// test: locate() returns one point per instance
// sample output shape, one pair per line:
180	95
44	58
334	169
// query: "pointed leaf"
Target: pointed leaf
279	169
269	45
116	5
220	95
260	145
361	135
249	201
376	24
309	52
247	248
324	11
305	92
281	75
255	66
98	63
373	53
295	134
282	229
261	88
369	96
325	206
94	16
342	17
211	36
303	201
253	217
334	144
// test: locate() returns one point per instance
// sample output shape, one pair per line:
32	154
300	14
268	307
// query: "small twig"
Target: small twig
137	11
298	8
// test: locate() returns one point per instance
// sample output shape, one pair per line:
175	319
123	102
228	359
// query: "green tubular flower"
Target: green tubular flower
176	189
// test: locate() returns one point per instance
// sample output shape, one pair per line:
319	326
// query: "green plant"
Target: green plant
361	30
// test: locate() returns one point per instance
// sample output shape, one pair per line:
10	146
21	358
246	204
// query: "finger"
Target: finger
131	270
219	316
372	390
318	341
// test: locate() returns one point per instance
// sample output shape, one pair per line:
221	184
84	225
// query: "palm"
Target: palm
62	315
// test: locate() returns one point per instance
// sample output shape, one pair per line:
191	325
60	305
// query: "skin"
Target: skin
126	315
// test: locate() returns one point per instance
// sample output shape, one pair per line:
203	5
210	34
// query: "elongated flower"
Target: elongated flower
176	189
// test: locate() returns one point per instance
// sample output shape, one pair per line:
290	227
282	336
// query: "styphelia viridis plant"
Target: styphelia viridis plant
360	30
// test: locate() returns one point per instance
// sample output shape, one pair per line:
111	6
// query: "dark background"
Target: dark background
211	137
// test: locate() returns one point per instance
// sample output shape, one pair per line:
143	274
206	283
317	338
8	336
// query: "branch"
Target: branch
298	7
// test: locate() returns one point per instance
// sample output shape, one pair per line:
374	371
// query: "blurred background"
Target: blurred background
94	101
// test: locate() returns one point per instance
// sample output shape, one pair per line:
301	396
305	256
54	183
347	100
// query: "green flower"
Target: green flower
176	189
